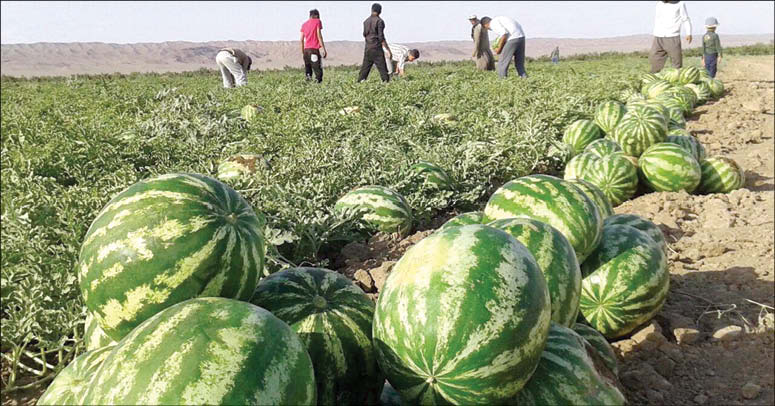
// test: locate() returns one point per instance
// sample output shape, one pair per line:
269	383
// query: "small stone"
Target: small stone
700	399
364	280
728	333
751	390
653	333
356	251
665	366
654	397
381	273
686	335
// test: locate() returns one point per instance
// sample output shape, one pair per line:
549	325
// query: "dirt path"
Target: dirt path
710	344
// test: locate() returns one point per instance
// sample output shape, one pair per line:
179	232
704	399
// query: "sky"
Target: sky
132	22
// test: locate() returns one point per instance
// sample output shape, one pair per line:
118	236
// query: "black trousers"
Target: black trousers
310	66
374	56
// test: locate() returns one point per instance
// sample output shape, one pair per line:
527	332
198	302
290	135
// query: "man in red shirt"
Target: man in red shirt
312	44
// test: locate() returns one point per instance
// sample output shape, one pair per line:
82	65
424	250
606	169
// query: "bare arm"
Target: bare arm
381	35
302	42
686	22
322	45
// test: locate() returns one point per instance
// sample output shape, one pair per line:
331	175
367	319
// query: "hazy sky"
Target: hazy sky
127	22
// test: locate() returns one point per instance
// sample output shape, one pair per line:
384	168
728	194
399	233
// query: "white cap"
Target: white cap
472	16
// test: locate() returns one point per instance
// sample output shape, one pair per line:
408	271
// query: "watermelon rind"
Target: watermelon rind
596	195
668	167
642	224
464	219
608	114
687	142
615	176
720	175
603	147
93	335
579	165
640	128
383	208
432	175
579	134
71	383
601	345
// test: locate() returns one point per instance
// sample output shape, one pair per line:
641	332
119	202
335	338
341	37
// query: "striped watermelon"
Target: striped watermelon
568	375
440	341
716	88
250	112
601	345
464	219
689	143
701	90
679	132
625	281
390	396
553	201
629	95
603	147
639	129
381	207
93	336
682	97
704	74
433	175
578	165
648	78
616	177
668	167
720	175
164	240
670	74
648	227
596	195
237	166
207	350
70	385
580	134
656	88
332	316
556	259
608	114
675	115
675	104
688	74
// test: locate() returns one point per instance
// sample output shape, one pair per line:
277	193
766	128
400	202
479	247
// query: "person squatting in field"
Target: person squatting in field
482	53
669	17
711	46
234	65
312	45
373	54
511	43
401	54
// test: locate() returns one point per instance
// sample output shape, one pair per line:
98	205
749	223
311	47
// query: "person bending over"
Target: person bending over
234	65
401	55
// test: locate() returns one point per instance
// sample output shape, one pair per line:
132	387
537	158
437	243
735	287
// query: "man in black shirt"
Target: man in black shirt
374	34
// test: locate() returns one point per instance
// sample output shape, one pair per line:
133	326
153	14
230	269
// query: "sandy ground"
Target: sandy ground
713	341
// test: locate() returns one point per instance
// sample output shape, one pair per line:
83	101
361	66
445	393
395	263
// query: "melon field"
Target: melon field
444	139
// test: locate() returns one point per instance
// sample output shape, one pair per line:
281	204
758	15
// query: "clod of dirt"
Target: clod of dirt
727	333
751	390
686	335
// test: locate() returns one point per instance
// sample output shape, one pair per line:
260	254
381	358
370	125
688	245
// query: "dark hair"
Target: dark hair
376	8
250	62
415	53
485	20
314	13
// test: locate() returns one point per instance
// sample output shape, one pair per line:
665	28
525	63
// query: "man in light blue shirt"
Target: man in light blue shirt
511	43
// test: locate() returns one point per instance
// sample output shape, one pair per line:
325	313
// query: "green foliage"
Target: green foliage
70	144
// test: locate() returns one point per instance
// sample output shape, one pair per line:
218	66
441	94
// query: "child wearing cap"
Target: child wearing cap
711	46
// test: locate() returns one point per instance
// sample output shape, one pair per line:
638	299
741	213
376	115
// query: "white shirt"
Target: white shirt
669	18
506	25
400	54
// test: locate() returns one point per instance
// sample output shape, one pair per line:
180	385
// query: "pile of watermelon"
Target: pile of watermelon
645	141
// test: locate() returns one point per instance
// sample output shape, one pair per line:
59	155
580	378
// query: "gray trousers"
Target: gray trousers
512	50
661	48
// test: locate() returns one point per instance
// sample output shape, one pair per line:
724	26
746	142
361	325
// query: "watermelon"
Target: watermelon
70	385
675	116
704	74
625	281
596	195
237	166
689	143
603	147
553	201
463	318
670	74
580	134
649	78
568	375
675	132
164	240
381	207
681	97
556	259
250	112
716	88
720	175
332	316
648	227
688	74
207	350
93	336
390	396
701	90
601	345
629	95
639	129
578	165
444	118
432	175
656	88
616	177
463	219
668	167
608	114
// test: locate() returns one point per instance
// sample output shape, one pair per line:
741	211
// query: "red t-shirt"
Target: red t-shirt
310	30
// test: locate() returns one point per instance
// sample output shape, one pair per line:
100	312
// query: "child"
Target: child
312	45
711	47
